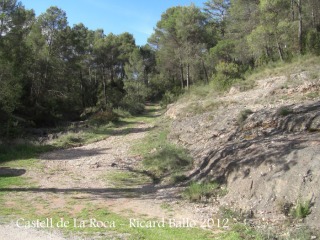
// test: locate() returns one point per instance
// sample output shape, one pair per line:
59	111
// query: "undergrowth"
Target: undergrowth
162	158
301	210
196	192
306	63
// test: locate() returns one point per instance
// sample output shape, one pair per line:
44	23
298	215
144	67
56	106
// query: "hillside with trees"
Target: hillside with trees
52	72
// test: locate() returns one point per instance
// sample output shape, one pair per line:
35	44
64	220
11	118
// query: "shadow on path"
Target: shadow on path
11	172
145	192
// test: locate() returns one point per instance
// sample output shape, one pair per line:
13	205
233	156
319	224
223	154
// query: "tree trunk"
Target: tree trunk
46	70
292	10
313	18
9	125
104	88
182	77
111	75
205	71
300	25
268	54
188	75
82	90
280	51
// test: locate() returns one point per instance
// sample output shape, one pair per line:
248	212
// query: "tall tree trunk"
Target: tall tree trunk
280	51
104	88
48	58
82	89
111	75
182	76
205	71
9	125
292	10
300	25
46	70
313	18
188	75
145	77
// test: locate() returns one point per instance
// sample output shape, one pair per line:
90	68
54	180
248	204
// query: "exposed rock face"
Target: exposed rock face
269	158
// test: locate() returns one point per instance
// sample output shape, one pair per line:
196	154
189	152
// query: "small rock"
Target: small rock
234	90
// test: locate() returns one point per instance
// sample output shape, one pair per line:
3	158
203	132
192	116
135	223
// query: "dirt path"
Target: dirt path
71	179
86	166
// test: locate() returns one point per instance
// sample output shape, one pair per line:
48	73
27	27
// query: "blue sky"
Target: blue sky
138	17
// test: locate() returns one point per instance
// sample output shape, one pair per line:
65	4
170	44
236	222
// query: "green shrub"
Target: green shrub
226	75
301	210
222	50
88	112
104	117
229	213
196	191
132	106
313	42
136	94
168	98
243	115
284	111
241	232
122	112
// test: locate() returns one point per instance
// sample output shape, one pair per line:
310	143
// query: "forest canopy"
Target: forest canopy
51	72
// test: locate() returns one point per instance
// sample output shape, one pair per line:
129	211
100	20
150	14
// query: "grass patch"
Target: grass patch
239	228
312	95
95	134
122	113
122	225
152	142
6	182
301	210
160	157
198	191
238	216
17	160
298	64
240	232
198	107
244	85
197	92
128	179
166	206
21	152
168	159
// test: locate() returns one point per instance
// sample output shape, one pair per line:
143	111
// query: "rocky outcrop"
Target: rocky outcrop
267	156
